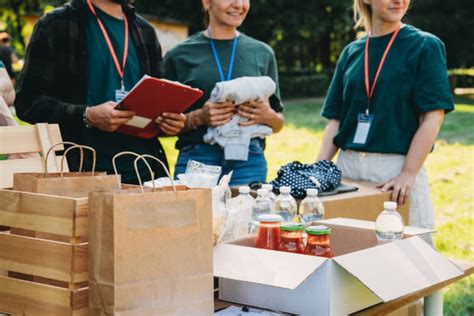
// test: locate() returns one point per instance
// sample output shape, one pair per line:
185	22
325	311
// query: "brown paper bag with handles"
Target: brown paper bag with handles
150	252
70	184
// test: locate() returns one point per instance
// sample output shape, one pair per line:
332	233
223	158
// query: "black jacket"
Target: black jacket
53	84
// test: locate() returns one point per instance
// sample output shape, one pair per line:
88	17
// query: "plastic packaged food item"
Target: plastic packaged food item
311	208
318	243
389	225
291	238
268	235
285	204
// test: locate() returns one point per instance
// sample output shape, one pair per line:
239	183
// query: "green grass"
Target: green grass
450	168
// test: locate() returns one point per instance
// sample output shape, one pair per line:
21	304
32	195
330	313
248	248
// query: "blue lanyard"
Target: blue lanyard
216	57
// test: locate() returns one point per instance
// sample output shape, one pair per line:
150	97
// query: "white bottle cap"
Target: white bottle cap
390	205
262	192
312	192
285	190
268	187
244	189
270	218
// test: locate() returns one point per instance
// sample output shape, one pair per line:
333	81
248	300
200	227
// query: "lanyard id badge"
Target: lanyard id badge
364	121
120	94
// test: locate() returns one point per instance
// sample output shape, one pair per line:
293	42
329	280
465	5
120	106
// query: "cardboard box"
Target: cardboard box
365	204
361	274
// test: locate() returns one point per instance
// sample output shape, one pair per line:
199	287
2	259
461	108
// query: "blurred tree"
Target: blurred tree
307	36
453	22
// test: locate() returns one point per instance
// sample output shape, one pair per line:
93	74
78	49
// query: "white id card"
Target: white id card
119	95
363	127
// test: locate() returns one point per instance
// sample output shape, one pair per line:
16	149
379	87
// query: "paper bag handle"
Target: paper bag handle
56	145
115	166
151	171
81	147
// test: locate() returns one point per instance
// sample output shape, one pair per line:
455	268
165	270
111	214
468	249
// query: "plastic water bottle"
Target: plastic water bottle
389	225
285	204
311	208
262	205
271	195
243	220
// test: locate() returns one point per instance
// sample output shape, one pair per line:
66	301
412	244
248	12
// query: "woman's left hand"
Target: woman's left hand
257	112
401	187
171	123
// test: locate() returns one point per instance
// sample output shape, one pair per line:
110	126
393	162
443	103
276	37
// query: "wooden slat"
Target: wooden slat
40	212
37	292
23	139
12	166
29	298
44	258
46	142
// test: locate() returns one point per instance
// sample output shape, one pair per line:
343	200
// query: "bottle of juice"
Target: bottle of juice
318	241
268	235
291	237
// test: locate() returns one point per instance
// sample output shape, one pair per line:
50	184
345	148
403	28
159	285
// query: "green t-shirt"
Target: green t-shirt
192	63
413	81
102	81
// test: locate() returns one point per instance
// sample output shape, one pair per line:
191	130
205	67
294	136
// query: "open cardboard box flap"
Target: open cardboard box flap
265	267
399	268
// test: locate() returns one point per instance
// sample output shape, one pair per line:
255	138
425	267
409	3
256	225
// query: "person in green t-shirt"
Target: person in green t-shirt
386	104
194	63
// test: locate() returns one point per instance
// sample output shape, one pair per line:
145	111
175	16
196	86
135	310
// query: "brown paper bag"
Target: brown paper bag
150	252
70	184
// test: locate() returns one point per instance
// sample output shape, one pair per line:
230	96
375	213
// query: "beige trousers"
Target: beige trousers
382	167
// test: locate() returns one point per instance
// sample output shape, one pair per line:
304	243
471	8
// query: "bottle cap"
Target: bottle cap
285	190
244	189
268	187
262	192
270	218
292	227
312	192
390	205
318	230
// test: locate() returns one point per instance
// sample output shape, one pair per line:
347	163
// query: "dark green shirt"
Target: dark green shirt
102	81
192	63
413	81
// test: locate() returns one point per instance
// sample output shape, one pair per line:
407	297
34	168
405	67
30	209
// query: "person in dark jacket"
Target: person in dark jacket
82	58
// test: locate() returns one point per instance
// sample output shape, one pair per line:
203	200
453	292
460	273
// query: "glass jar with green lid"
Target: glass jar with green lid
318	241
291	237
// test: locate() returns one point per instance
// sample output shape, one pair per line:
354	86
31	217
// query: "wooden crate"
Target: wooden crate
43	268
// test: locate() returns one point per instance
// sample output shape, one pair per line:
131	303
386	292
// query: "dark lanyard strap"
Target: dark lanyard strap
120	70
216	57
370	91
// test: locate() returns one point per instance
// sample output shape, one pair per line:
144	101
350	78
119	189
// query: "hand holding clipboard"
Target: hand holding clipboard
149	99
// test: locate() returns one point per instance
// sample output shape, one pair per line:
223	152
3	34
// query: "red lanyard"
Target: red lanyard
120	70
370	91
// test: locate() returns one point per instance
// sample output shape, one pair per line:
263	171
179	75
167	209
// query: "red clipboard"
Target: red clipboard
149	98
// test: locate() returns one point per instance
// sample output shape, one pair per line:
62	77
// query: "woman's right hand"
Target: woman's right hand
217	114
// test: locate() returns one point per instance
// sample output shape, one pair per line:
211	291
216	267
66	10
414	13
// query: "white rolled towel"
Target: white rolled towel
243	89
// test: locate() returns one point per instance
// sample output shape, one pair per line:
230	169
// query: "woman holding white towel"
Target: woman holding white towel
221	53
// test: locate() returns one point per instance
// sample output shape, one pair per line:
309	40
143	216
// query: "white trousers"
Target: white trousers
378	168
